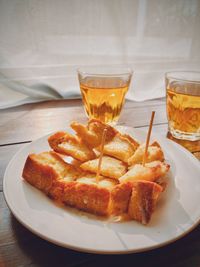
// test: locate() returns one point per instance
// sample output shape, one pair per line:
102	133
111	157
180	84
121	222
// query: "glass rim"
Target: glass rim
175	75
103	70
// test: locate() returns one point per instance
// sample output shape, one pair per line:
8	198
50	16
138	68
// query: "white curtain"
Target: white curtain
45	39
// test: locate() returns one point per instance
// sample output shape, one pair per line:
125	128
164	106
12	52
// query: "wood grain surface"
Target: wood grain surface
18	246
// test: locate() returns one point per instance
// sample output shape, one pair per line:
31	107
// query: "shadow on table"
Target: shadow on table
43	253
184	252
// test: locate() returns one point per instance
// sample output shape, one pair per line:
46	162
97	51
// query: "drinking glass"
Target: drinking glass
103	91
183	104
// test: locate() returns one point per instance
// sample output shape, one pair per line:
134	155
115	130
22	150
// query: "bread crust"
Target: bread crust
154	153
47	172
119	191
67	144
150	172
38	175
120	197
120	147
88	197
110	167
92	133
143	200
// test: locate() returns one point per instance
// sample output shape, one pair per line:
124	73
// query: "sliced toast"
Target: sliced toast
150	172
61	181
121	147
67	144
92	133
143	200
118	190
110	167
154	152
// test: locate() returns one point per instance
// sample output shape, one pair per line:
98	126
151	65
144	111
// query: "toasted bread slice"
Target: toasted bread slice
118	190
116	145
102	181
92	133
120	197
154	153
143	200
70	145
89	195
64	183
44	169
150	172
98	127
89	137
121	147
110	167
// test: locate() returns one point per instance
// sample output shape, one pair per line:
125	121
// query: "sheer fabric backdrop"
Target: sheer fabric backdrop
45	39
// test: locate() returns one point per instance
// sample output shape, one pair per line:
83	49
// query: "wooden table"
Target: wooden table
18	246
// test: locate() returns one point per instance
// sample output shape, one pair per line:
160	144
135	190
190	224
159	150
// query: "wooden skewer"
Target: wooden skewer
101	153
148	138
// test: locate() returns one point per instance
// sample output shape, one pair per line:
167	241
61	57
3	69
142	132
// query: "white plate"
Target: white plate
177	212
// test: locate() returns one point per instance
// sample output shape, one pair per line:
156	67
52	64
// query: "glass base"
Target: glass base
192	146
184	135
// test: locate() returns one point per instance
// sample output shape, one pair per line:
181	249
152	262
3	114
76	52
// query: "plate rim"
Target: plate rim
80	248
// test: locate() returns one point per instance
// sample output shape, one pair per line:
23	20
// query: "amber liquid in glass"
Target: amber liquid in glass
104	98
183	111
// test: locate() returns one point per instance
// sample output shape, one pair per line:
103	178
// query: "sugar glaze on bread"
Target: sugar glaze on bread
121	189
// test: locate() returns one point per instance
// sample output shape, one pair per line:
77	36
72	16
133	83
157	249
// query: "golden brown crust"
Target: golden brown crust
87	197
120	192
119	147
92	133
150	172
110	167
90	198
120	197
89	137
134	143
155	143
40	176
53	180
143	200
67	144
57	138
154	153
98	127
44	169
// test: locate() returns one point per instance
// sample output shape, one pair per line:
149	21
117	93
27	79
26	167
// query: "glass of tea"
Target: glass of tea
103	91
183	104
